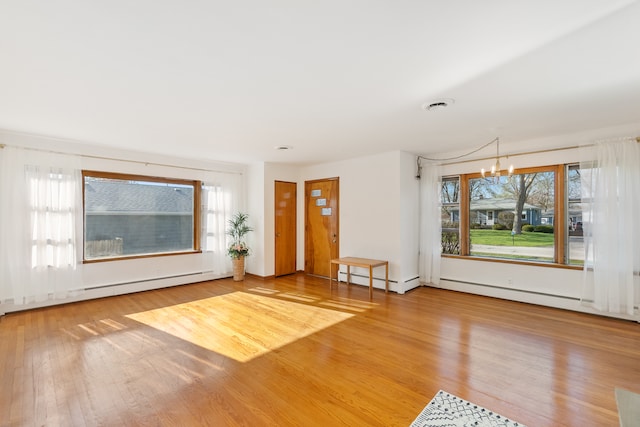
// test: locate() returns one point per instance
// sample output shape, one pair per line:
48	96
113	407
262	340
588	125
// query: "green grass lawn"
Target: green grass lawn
504	238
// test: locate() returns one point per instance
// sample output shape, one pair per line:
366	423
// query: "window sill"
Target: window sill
513	261
130	257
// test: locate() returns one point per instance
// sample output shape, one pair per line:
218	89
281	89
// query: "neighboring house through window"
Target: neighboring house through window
514	217
130	216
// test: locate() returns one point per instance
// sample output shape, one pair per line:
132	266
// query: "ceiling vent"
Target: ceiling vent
437	104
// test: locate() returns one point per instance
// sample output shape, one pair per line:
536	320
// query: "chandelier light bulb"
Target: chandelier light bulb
495	169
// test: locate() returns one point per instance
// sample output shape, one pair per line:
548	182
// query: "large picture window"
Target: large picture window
132	216
532	216
512	216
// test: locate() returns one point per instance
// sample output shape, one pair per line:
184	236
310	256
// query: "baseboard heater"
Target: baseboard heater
136	282
78	294
545	294
524	291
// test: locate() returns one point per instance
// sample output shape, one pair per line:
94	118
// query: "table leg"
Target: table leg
370	282
386	278
348	274
330	275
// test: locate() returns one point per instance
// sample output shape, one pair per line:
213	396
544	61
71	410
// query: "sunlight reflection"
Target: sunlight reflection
71	334
185	374
94	329
200	360
297	297
349	304
265	290
89	330
114	343
115	326
342	306
357	303
240	325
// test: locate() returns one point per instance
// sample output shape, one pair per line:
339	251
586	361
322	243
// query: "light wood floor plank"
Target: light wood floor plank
292	351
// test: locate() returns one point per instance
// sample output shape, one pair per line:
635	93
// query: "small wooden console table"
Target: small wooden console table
360	262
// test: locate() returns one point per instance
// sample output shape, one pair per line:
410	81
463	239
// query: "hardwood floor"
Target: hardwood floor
290	352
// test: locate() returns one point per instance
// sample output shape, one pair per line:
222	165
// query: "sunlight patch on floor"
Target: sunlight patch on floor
94	328
348	304
240	325
338	303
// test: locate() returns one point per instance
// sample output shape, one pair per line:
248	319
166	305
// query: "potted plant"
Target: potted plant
238	249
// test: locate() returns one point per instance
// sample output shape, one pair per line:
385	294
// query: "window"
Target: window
575	246
450	221
131	216
517	218
519	201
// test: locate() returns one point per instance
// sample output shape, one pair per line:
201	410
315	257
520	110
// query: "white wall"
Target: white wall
261	179
552	286
378	219
378	213
112	278
255	263
409	219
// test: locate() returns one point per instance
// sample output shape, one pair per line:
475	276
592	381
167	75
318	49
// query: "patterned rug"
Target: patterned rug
445	409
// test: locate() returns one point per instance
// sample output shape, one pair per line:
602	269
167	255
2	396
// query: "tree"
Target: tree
521	186
449	197
483	188
450	190
542	192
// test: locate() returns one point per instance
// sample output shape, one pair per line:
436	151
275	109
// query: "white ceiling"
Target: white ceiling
230	80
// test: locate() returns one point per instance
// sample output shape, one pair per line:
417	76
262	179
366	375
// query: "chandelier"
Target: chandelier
495	168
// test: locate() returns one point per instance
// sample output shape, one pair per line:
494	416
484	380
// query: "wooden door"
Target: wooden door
285	227
322	239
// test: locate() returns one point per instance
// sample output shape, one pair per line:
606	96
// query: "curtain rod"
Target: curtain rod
90	156
548	150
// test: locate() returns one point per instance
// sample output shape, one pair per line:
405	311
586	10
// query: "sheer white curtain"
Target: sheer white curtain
41	225
430	225
221	199
610	176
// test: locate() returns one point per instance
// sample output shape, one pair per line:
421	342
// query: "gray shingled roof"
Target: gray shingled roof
126	197
497	204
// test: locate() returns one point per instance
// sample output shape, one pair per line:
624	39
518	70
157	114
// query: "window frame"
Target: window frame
567	207
196	212
450	204
560	258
